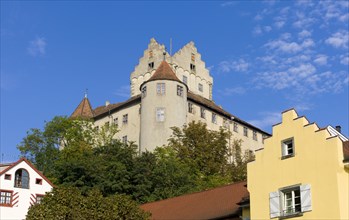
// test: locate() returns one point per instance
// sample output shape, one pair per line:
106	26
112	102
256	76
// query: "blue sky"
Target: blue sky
265	57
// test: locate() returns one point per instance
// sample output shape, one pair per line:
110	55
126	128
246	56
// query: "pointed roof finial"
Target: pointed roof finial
164	53
86	92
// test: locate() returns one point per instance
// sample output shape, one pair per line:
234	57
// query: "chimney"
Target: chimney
107	103
339	128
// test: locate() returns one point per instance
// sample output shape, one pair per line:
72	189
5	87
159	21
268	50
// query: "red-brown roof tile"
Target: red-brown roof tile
211	204
164	72
84	110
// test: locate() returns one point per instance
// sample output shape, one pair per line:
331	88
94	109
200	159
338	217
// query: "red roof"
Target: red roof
164	72
210	204
84	110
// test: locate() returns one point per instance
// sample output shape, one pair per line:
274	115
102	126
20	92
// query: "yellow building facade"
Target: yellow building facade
301	173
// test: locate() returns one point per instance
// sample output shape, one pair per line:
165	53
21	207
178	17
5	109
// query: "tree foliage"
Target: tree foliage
66	203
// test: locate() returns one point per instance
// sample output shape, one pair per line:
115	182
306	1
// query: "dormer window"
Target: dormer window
22	179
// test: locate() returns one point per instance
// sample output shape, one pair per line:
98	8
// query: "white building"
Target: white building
169	91
21	186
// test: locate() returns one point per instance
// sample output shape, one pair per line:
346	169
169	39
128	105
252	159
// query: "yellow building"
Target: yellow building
301	173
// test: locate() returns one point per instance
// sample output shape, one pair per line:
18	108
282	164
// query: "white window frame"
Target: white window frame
125	119
144	91
254	135
245	131
161	88
287	148
116	121
124	139
290	201
236	127
185	80
203	112
160	114
180	90
201	87
190	107
214	118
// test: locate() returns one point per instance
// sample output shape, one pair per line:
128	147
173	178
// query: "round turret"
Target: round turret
163	105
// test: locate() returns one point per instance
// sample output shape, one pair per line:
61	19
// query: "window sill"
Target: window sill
293	215
287	156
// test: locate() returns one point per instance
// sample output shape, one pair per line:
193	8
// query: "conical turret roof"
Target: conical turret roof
84	110
163	72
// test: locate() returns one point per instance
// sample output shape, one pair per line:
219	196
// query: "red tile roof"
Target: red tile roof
84	110
164	72
211	204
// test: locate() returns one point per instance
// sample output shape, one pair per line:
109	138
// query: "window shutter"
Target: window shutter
306	198
274	203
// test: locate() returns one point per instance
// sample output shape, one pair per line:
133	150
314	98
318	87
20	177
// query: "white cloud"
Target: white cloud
258	17
344	18
257	30
267	119
37	47
339	39
267	28
238	66
304	33
229	3
321	59
279	24
283	46
123	91
302	70
303	20
344	59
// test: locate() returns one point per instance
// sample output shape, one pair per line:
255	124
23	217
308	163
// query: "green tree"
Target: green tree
238	167
69	204
205	150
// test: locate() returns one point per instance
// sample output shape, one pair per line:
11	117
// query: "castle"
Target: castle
167	91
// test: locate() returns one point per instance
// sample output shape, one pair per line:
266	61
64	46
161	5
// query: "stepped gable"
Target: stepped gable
163	72
84	110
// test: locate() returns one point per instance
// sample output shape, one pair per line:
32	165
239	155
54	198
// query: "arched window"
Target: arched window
22	179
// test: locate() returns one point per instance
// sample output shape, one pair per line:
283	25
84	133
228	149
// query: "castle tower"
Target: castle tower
163	105
84	110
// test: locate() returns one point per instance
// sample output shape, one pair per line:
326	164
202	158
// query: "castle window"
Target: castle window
192	68
202	112
185	80
225	123
39	198
214	118
201	87
160	114
5	198
290	201
245	132
179	90
107	124
38	181
190	107
287	148
193	57
150	65
144	91
160	88
124	139
116	121
22	179
255	135
125	119
7	177
235	127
